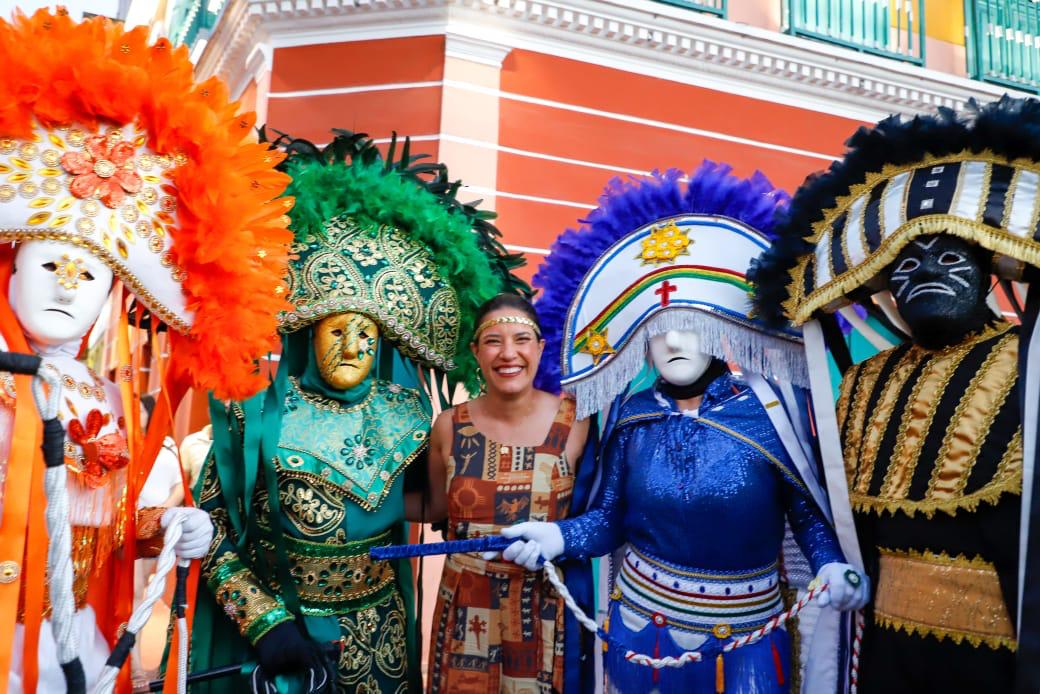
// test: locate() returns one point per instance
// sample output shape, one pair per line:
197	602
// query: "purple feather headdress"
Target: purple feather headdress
625	206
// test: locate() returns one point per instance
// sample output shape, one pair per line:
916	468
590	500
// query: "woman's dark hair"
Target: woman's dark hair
513	301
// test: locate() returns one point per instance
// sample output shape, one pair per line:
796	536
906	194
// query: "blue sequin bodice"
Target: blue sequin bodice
707	492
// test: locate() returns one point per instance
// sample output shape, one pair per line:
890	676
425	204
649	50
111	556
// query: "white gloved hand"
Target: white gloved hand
196	531
849	588
537	541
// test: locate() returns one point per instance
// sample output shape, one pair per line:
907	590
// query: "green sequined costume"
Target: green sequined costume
304	479
339	475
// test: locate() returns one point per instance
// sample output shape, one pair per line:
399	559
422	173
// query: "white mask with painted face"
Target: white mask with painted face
57	291
678	357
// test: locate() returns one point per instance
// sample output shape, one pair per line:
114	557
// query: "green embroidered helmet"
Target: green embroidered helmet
388	238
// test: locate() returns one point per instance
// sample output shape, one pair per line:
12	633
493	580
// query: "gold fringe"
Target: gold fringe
990	494
913	628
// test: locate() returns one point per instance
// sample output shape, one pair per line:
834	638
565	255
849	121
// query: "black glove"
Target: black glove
286	649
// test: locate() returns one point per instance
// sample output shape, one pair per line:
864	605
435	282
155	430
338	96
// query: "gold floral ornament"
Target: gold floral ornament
105	170
69	270
597	345
664	244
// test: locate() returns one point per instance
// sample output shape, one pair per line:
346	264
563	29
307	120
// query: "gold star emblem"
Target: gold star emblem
597	345
665	243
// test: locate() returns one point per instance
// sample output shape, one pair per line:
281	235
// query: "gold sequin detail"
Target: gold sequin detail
943	596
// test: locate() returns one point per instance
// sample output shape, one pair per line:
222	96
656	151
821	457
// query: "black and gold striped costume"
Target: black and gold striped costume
933	453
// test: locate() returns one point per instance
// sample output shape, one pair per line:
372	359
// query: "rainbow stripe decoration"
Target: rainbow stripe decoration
684	272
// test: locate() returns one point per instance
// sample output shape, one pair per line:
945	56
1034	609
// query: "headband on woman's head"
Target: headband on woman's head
516	320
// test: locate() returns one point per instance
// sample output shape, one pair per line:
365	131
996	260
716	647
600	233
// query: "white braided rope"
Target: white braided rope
60	573
182	655
857	639
687	656
167	560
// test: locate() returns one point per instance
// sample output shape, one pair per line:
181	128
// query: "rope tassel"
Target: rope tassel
720	675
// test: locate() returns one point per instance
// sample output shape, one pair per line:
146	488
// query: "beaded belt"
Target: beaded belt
332	577
717	602
947	597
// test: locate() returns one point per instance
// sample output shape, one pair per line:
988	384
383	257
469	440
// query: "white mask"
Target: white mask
676	355
57	291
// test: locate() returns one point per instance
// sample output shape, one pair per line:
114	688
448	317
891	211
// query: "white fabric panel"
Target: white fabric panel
893	211
1024	203
968	201
854	231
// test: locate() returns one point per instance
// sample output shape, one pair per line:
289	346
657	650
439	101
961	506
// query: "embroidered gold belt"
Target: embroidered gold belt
943	596
331	578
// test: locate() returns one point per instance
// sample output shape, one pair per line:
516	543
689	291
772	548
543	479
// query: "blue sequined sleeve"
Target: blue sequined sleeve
811	530
601	529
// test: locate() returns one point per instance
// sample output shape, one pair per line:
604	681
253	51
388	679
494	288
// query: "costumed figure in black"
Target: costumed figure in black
934	437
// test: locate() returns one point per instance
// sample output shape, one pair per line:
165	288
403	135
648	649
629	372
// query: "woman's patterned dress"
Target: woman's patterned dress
499	627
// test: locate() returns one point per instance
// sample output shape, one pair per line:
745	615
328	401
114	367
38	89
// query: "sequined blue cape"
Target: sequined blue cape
710	492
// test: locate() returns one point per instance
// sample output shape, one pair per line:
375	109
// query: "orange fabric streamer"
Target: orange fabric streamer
21	500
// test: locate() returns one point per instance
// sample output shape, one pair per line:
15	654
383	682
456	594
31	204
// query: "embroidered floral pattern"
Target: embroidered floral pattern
105	169
101	454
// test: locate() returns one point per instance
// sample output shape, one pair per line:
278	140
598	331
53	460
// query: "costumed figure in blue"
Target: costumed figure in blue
705	472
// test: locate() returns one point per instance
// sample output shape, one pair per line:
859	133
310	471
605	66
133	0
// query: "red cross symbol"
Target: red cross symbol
664	291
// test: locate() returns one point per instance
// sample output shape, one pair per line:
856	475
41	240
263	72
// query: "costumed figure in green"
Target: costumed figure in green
304	479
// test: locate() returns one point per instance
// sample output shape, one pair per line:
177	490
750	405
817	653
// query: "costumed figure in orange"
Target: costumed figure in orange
125	184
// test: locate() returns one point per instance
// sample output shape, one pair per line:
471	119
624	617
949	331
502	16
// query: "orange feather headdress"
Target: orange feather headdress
107	143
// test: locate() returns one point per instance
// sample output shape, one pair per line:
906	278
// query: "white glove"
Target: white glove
539	541
849	588
196	531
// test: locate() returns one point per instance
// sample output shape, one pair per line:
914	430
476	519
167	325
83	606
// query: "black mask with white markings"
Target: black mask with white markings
939	283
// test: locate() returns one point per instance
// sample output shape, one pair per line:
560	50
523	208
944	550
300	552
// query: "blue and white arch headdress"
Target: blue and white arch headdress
660	254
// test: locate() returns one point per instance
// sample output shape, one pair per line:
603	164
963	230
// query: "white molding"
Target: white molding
638	36
475	50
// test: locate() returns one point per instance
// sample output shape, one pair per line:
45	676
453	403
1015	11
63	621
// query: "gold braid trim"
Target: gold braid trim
799	308
1001	365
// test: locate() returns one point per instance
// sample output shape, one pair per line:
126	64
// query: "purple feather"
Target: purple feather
627	205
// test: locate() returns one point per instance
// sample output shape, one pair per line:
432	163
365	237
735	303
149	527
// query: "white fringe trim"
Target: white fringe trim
752	349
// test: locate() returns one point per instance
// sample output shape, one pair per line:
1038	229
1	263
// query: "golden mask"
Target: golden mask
345	348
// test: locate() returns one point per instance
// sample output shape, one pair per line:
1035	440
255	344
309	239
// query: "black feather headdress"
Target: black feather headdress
973	174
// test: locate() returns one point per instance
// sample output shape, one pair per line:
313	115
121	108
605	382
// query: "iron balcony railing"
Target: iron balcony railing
892	28
713	6
1003	42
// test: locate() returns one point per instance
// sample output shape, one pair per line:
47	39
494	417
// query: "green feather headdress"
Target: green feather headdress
388	237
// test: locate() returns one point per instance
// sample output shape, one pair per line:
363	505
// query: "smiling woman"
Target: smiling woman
507	456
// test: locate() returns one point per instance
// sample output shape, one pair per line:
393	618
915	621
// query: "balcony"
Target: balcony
891	28
1004	42
193	20
712	6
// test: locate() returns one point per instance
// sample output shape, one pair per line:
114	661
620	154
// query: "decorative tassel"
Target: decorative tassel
656	675
778	663
720	675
